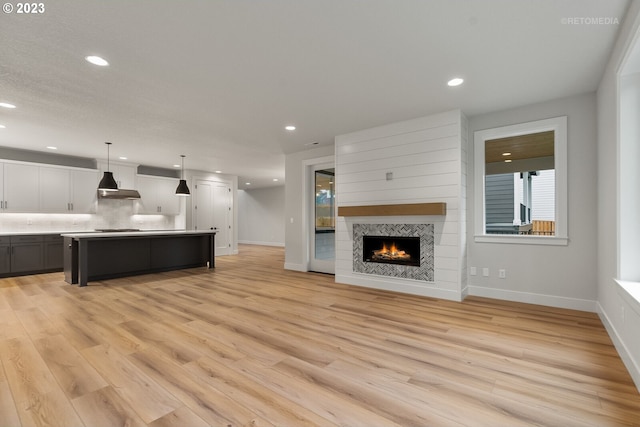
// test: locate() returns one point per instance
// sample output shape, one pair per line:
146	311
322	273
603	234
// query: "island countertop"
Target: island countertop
110	254
140	233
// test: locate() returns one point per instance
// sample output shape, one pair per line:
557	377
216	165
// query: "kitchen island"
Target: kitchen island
106	255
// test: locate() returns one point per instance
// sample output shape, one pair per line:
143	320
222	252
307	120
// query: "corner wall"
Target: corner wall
558	276
296	256
261	216
619	313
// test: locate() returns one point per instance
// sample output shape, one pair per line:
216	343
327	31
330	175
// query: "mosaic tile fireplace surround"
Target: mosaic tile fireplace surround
362	262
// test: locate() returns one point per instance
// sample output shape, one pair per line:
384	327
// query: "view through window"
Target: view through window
520	184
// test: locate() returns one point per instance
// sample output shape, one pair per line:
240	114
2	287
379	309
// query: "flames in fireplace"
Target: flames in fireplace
392	253
392	250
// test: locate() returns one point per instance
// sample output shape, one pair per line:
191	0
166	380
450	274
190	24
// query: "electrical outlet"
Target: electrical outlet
502	273
473	271
485	271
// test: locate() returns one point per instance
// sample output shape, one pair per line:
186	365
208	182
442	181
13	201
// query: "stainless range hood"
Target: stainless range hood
119	194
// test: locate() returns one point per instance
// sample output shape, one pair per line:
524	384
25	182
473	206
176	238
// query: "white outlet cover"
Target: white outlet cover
485	272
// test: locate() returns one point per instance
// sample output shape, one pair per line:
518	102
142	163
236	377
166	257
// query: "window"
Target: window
521	183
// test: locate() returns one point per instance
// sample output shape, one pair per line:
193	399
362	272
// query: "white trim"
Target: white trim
630	293
521	240
559	126
421	288
295	267
251	242
531	298
623	351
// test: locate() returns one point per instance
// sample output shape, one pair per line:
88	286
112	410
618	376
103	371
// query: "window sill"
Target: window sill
630	292
522	240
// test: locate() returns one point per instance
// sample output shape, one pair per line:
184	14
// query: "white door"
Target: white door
221	217
322	230
213	212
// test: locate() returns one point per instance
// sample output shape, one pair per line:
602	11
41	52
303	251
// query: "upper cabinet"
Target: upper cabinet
65	190
125	175
84	190
157	195
20	188
55	189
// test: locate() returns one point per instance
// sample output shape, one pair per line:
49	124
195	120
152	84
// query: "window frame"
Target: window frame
559	126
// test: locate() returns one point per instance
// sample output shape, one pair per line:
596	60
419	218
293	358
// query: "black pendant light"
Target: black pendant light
108	183
182	189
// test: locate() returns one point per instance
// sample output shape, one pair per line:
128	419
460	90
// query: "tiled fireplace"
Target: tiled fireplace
396	250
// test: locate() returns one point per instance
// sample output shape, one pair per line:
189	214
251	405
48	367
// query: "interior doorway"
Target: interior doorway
322	231
212	211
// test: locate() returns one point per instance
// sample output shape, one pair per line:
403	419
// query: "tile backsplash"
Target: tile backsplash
109	214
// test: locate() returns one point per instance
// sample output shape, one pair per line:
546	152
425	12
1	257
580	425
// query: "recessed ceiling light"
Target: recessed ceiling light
506	154
455	82
247	183
122	158
51	147
3	127
176	166
96	60
508	161
7	105
218	171
290	127
275	179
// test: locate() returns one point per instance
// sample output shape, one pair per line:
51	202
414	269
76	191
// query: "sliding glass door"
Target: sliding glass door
323	221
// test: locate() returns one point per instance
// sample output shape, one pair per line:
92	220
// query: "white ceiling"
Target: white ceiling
218	80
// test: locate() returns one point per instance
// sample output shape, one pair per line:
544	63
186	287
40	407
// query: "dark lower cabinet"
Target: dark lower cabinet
5	255
27	254
53	251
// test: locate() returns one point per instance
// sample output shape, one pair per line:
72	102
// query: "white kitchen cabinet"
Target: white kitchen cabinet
84	190
125	175
157	195
21	188
66	190
55	190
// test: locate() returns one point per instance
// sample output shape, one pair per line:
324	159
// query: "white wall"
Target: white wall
261	216
619	313
426	157
296	232
561	276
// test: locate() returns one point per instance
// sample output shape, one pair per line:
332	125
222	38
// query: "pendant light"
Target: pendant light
108	183
182	189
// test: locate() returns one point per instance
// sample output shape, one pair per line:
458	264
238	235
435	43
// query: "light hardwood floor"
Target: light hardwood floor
250	344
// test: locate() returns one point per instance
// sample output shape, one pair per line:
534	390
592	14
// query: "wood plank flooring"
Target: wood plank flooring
250	344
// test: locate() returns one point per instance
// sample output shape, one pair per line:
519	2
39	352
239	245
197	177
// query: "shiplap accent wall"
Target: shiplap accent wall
427	157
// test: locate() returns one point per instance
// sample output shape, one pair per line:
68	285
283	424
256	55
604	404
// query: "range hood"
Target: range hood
119	194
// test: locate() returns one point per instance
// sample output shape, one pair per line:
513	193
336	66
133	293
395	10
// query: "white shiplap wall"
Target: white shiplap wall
427	157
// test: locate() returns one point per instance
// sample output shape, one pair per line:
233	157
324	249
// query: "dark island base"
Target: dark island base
94	259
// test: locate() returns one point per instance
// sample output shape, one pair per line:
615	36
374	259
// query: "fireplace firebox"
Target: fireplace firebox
391	250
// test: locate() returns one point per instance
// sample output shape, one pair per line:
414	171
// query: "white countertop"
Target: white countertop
141	233
38	233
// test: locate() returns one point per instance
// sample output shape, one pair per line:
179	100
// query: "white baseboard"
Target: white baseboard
419	288
252	242
295	267
531	298
625	355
